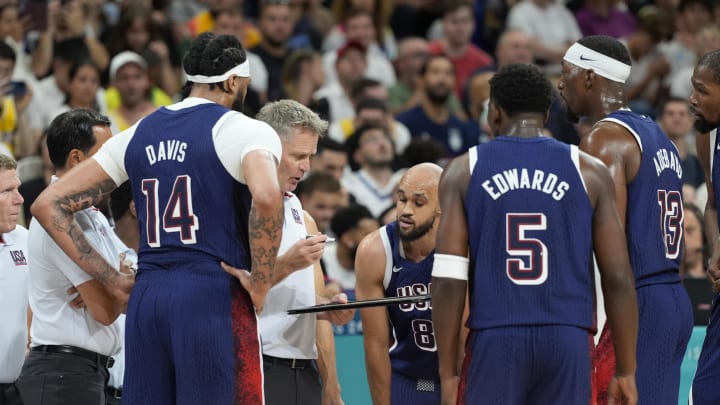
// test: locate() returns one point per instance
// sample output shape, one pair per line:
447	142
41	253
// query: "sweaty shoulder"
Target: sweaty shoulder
595	175
371	256
111	156
235	135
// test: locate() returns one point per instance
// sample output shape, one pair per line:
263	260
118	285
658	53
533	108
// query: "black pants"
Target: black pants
9	394
285	385
62	379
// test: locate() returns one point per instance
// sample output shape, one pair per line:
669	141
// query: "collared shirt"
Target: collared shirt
52	273
13	302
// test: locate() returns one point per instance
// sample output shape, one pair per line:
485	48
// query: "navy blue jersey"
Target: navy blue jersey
715	169
529	227
413	351
654	216
182	193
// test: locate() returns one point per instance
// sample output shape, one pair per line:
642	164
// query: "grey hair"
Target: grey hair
284	115
7	162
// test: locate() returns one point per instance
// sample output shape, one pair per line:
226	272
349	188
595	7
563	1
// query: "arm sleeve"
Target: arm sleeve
235	135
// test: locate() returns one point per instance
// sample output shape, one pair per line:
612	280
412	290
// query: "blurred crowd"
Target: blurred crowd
400	81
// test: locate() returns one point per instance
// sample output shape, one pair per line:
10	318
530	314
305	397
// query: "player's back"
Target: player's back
529	224
654	214
413	350
192	208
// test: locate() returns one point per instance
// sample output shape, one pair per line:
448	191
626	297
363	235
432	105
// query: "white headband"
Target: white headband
603	65
242	70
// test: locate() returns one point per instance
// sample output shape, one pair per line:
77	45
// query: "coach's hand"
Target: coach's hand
622	390
339	317
302	254
258	299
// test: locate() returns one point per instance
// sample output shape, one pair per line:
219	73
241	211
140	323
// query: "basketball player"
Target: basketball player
530	210
705	105
194	167
396	260
647	175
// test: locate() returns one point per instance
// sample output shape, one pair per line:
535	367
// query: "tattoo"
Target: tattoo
63	221
264	234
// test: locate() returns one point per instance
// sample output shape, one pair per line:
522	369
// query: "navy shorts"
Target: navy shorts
406	390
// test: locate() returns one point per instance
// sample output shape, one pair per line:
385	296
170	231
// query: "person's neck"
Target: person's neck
344	256
417	250
215	95
610	99
73	104
277	51
541	3
524	126
601	8
128	232
437	113
694	270
134	112
680	145
380	174
454	51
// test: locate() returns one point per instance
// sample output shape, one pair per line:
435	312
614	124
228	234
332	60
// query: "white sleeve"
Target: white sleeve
258	72
235	135
111	155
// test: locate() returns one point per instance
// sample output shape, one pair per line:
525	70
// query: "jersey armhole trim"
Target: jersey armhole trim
472	158
388	256
626	126
575	156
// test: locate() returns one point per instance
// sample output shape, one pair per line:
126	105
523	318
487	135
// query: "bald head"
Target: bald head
513	47
417	202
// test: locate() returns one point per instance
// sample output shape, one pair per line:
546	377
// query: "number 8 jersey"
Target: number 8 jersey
529	228
654	215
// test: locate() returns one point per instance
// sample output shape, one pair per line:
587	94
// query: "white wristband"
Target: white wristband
450	266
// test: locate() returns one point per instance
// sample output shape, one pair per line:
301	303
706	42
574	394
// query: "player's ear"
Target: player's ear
133	212
75	156
589	77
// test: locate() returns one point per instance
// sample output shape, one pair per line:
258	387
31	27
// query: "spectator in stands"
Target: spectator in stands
551	27
83	87
371	111
605	17
373	180
513	46
379	11
136	31
458	25
331	158
16	138
431	118
128	73
12	32
708	40
360	29
66	22
276	27
350	66
676	121
695	255
302	77
321	196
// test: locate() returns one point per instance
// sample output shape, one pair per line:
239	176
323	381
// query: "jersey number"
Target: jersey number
671	221
528	261
424	334
178	215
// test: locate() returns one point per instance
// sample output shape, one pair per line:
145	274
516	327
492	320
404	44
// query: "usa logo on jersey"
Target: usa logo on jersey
18	257
296	216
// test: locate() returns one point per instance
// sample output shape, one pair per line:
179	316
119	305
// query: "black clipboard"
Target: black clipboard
376	302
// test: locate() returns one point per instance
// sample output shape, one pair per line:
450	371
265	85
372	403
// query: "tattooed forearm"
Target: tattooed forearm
64	207
265	233
63	221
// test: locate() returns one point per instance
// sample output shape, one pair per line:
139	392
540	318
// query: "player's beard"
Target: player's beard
570	115
704	126
418	232
238	104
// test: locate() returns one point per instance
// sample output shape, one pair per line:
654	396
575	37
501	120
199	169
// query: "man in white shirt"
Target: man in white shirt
76	343
13	281
290	343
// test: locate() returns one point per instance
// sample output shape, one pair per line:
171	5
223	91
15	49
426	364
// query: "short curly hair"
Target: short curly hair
521	88
607	46
711	61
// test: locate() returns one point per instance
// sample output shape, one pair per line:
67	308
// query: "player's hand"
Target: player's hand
449	390
121	285
246	280
76	302
713	272
340	317
622	390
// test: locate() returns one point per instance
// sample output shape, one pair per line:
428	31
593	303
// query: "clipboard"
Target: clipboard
375	302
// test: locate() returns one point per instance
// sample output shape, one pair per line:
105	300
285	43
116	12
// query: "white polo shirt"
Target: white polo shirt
52	273
13	302
290	336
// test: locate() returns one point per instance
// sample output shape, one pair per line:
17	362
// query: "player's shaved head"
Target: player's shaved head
427	174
